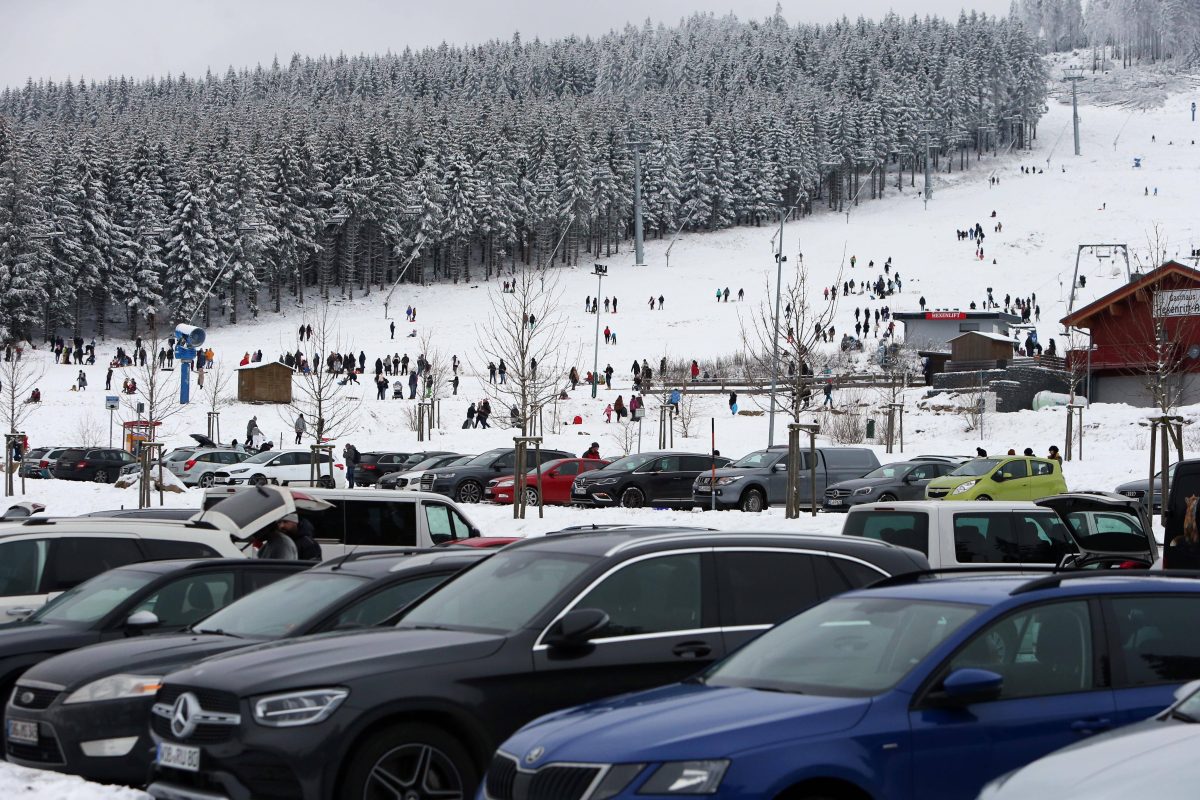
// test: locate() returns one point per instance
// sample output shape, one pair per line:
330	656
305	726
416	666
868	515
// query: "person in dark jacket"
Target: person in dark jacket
412	384
733	402
304	536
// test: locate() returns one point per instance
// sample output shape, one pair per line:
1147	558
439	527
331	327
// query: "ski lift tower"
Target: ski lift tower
639	254
1073	75
1102	250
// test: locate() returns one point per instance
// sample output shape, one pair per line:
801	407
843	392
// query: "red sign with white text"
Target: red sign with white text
945	315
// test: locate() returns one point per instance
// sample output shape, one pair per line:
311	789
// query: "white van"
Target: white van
365	519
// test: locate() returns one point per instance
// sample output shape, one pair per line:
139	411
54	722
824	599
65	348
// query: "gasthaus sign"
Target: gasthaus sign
1177	303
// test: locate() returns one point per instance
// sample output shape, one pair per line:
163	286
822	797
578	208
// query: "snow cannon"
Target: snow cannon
187	339
189	335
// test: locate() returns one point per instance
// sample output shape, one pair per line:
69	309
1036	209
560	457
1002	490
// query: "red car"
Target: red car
557	477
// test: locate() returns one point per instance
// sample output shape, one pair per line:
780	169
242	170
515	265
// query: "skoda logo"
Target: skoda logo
183	715
26	698
534	754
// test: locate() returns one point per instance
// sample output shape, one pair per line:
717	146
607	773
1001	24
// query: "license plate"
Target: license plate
21	731
833	501
178	756
579	490
703	490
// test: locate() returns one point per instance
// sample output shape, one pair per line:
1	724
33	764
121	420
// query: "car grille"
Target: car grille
935	493
210	699
46	751
426	483
1134	493
837	494
204	734
552	782
30	697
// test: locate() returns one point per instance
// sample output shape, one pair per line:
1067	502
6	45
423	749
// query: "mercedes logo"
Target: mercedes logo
26	698
534	754
183	715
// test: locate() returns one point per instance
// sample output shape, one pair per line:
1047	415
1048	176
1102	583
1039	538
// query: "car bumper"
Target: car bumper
71	732
725	499
503	496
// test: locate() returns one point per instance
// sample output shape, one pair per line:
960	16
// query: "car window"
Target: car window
1042	468
444	523
550	455
904	528
383	604
93	599
667	464
984	538
381	524
1017	468
568	468
329	525
75	559
924	472
1045	650
278	609
1113	532
1041	538
1157	640
506	461
655	595
189	599
21	566
696	463
162	549
761	588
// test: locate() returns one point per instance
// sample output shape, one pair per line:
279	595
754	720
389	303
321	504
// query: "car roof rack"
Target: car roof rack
390	553
905	578
1055	580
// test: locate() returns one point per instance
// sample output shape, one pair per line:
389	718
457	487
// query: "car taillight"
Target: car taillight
191	462
369	466
43	464
340	466
81	465
1131	565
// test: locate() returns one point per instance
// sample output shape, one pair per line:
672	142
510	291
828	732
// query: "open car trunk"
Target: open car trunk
1129	538
253	508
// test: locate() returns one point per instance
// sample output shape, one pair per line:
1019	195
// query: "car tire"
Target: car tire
469	492
887	497
206	480
983	498
408	761
101	476
531	496
633	497
258	480
753	501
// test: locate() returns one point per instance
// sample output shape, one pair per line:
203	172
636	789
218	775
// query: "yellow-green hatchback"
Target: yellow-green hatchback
1008	478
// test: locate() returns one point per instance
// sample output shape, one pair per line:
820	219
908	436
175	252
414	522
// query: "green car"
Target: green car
1010	478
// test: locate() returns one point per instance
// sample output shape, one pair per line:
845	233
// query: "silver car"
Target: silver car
194	466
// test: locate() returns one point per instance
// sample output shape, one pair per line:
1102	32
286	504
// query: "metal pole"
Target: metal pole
1075	112
713	477
779	259
596	347
812	468
110	426
639	259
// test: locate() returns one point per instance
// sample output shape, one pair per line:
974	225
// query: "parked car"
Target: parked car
465	482
903	480
542	624
1181	551
915	688
353	520
103	688
99	464
661	478
36	461
1115	765
556	479
197	466
1087	527
374	465
759	479
1010	478
1137	489
411	477
160	512
285	468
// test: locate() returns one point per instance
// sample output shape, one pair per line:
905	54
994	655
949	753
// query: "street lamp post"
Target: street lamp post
1073	75
599	270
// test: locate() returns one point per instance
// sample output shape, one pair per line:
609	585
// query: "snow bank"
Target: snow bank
19	783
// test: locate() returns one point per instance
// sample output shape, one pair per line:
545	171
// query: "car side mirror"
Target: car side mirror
551	474
139	621
576	628
1000	477
967	686
781	467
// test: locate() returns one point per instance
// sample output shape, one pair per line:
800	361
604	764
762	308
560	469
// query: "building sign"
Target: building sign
945	315
1177	303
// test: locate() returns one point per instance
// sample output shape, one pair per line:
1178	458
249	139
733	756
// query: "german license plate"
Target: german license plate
21	731
579	490
178	756
833	501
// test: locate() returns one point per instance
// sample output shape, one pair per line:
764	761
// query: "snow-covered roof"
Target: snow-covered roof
995	337
261	364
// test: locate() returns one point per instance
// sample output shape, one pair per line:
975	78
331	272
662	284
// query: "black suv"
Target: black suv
99	464
662	478
543	624
374	465
100	688
465	482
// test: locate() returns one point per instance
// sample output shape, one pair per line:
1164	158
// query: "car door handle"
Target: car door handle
691	649
1089	726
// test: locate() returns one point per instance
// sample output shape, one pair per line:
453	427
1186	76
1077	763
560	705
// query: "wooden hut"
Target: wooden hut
979	350
265	382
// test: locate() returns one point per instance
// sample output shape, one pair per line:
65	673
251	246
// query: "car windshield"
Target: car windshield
980	466
483	459
848	647
459	461
274	611
759	458
503	594
261	458
890	471
629	463
1189	709
91	600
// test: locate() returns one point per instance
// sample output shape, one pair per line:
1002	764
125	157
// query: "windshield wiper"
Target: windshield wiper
429	628
1183	716
218	632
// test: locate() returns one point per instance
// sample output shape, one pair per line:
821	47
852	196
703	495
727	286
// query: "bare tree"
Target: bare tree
18	378
687	413
526	330
155	389
321	397
434	381
1157	250
88	431
806	314
624	437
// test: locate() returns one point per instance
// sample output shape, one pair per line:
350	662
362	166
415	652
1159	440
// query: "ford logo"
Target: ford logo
534	754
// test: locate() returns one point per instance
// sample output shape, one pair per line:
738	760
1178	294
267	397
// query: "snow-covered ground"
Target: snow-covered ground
1098	197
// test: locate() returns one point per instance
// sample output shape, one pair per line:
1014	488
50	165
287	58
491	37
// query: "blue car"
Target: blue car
920	687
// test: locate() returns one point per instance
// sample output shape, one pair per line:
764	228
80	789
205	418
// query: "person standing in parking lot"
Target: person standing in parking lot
350	454
277	542
301	426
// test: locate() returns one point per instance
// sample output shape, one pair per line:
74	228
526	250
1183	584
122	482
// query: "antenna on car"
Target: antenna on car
345	557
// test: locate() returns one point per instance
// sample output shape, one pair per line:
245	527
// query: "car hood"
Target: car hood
684	722
1138	485
339	657
858	483
22	638
950	481
1151	756
727	472
150	655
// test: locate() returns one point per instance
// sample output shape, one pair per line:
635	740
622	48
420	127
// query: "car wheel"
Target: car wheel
531	496
258	480
887	497
325	482
753	501
413	762
633	497
983	497
469	492
206	480
101	476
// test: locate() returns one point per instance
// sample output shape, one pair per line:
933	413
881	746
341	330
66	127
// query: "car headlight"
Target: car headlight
236	471
963	488
604	482
444	475
865	490
504	483
729	479
686	778
116	687
298	708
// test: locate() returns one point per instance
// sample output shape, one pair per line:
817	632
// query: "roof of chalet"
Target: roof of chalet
1075	318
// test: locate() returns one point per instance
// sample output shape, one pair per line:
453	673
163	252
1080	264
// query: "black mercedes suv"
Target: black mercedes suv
416	710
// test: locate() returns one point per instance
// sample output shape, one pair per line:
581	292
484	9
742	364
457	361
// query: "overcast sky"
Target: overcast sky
97	38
